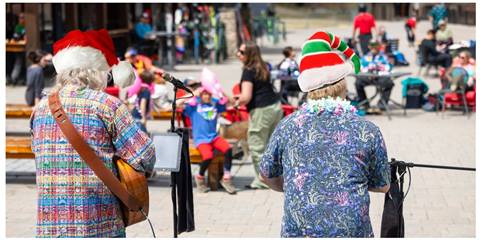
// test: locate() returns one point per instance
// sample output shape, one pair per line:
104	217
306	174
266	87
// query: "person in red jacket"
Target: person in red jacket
410	26
365	23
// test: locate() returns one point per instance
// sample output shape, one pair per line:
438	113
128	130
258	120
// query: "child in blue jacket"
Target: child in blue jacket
203	111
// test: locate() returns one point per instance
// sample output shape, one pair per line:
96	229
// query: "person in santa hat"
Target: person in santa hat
72	200
324	157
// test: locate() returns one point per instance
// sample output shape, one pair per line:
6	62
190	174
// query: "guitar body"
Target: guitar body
136	184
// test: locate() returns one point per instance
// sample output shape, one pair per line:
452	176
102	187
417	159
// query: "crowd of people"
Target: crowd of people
83	73
198	32
324	156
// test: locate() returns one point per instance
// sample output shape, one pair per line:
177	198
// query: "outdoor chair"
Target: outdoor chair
392	45
423	63
455	93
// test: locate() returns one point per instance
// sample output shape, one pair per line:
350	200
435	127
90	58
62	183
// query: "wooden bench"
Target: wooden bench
14	46
24	111
19	147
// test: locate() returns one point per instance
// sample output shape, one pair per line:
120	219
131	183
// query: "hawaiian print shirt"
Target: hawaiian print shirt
329	157
375	63
72	200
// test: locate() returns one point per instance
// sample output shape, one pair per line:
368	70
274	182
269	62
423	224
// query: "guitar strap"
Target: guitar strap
88	155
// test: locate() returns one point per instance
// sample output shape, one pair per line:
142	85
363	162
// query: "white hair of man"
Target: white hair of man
89	78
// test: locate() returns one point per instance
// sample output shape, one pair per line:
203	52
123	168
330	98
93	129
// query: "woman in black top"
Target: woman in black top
35	80
262	103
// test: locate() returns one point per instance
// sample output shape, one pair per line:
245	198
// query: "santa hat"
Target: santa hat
320	66
92	49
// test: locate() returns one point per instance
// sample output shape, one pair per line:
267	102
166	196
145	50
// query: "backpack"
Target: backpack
400	59
415	98
414	90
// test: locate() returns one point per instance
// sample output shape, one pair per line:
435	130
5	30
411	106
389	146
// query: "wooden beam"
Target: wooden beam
24	111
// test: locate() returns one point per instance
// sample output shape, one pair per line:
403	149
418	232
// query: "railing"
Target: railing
273	27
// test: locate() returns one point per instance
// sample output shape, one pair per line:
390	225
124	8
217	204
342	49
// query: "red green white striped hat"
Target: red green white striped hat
320	66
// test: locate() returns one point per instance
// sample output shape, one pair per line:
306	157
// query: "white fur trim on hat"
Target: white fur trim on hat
79	57
123	74
315	78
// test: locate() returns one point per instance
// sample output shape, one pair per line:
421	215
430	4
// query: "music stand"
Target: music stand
183	173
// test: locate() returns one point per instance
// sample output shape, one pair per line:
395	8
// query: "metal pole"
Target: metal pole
407	164
174	109
173	176
174	201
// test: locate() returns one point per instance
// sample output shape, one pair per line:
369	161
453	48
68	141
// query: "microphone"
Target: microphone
177	83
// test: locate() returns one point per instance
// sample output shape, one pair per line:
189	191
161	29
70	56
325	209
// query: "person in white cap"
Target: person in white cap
72	200
444	35
324	157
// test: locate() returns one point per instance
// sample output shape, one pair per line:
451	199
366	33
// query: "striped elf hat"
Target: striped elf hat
320	66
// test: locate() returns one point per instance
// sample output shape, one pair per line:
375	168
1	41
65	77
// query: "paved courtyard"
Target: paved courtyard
440	203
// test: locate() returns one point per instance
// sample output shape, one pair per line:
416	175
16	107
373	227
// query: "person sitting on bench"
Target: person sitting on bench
203	111
374	62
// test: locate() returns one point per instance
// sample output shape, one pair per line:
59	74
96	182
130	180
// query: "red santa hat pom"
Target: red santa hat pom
92	49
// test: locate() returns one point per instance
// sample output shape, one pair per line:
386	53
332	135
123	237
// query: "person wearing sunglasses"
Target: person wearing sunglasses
263	104
464	60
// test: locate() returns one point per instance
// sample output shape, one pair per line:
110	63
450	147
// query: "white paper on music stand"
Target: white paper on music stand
168	148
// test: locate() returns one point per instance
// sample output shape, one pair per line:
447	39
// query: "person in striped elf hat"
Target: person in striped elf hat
321	66
324	157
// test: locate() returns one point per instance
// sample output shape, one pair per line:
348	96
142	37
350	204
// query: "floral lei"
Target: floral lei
335	106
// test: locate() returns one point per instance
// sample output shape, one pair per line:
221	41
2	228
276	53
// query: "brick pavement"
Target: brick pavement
440	203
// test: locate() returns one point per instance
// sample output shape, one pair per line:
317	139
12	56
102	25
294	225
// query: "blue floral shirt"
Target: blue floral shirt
328	157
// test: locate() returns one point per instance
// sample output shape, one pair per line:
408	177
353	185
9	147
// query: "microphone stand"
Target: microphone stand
172	174
401	167
174	109
411	165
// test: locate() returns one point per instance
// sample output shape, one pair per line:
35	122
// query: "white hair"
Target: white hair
90	78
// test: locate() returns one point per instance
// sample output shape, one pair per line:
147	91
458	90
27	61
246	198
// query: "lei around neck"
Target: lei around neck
330	105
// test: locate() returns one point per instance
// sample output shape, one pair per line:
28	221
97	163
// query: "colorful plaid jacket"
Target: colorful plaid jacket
72	200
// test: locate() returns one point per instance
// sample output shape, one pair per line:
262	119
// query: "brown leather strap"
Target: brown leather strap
88	155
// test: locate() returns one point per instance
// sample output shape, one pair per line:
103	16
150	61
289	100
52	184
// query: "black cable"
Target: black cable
150	223
409	183
408	189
